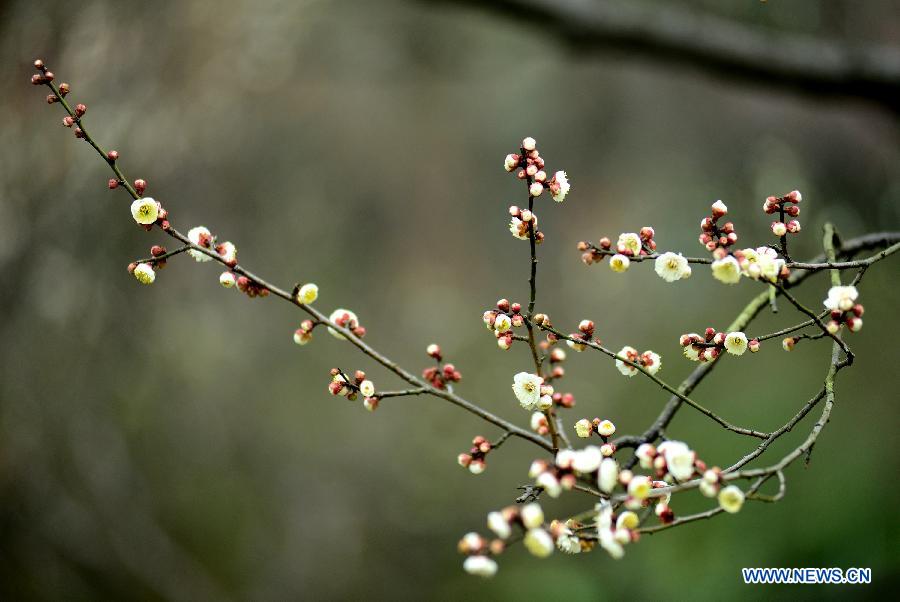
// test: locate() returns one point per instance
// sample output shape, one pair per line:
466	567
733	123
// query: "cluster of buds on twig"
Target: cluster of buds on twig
502	320
529	166
841	302
303	335
342	385
578	341
730	497
786	205
568	467
442	375
628	246
556	356
615	530
605	429
717	238
474	460
713	343
649	360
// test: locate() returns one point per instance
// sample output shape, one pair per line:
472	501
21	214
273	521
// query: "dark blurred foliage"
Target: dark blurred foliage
171	442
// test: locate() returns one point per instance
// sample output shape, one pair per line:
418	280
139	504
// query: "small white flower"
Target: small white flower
679	459
567	542
518	228
527	389
227	251
691	353
549	483
583	428
639	487
629	241
652	362
841	298
565	458
502	323
545	402
539	543
498	525
302	337
477	466
308	293
227	279
736	343
606	428
367	388
672	266
770	266
511	162
202	237
731	499
587	460
532	515
618	263
559	187
726	270
340	314
609	543
144	273
145	211
609	475
631	354
645	454
628	520
538	421
482	566
708	489
778	228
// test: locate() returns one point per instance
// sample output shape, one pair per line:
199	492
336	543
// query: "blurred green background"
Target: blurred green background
171	442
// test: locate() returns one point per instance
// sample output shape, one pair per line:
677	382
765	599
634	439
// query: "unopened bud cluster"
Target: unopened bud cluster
529	166
713	343
474	460
342	385
787	205
442	375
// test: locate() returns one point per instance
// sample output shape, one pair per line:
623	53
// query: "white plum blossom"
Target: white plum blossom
609	543
619	263
145	211
639	487
645	454
367	388
584	428
609	475
726	270
628	520
672	266
499	525
559	186
339	314
736	343
227	279
144	273
545	402
308	293
652	362
550	484
538	421
587	460
629	241
841	298
626	369
731	499
532	515
539	543
518	228
200	236
228	252
502	323
527	389
606	428
568	542
482	566
679	459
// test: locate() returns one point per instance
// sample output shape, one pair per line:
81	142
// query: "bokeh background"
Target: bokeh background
171	442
